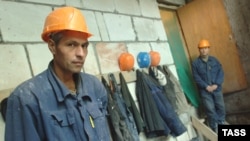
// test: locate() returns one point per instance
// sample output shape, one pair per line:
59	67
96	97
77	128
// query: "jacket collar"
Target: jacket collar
60	90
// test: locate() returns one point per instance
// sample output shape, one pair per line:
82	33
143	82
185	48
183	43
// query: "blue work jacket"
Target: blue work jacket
208	73
43	109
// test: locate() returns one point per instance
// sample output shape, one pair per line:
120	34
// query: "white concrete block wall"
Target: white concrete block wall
149	8
145	29
14	66
118	26
39	57
19	25
130	7
92	25
54	2
104	5
91	62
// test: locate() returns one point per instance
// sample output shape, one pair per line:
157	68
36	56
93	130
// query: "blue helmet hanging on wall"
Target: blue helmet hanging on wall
143	59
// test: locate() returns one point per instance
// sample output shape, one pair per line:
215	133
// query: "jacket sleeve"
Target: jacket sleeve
197	78
20	122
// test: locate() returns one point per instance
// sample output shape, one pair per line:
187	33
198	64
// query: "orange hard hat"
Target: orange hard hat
203	44
64	18
126	61
155	58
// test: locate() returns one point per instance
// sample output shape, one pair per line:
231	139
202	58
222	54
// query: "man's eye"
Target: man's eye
71	45
85	45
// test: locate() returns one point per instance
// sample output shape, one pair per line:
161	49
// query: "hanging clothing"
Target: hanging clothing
155	126
116	120
173	90
131	104
166	110
129	119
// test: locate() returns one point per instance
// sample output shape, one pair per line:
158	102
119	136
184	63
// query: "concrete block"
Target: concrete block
40	56
92	25
159	28
165	52
108	54
135	48
102	26
130	7
149	8
91	63
14	66
22	22
74	3
145	29
120	29
51	2
104	5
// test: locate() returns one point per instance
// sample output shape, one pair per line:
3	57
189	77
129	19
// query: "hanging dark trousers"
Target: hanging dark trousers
131	104
117	123
129	119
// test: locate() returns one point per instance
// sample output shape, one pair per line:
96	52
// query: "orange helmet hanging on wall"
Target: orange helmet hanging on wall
203	43
65	18
155	58
126	61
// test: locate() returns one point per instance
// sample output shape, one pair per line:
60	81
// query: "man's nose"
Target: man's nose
80	51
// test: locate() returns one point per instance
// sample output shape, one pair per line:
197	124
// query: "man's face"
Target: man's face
204	51
70	53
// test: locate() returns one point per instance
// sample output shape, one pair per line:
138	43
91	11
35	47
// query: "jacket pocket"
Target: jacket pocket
99	122
94	110
62	125
63	118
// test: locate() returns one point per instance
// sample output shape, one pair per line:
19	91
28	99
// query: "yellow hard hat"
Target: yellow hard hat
64	18
203	43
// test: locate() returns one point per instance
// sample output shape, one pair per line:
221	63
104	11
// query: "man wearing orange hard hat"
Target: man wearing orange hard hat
209	76
61	103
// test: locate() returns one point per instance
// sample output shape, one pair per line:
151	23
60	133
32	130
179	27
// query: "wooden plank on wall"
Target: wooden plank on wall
129	76
202	128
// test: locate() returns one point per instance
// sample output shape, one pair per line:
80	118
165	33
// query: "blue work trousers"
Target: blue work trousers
215	108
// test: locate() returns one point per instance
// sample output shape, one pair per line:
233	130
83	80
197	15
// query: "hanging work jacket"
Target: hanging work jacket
166	110
173	90
155	126
131	104
118	127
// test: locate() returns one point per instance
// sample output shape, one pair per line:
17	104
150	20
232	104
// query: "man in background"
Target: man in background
209	76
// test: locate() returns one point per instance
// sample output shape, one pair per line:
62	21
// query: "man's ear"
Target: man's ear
52	46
